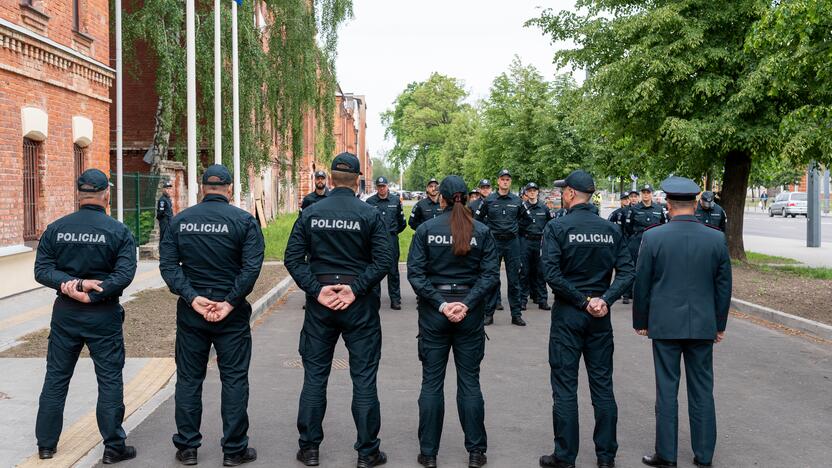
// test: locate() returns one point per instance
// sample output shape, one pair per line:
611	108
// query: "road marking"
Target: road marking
83	436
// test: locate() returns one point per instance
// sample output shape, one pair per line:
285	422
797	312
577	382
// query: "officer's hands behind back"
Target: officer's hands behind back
70	289
455	311
597	307
336	296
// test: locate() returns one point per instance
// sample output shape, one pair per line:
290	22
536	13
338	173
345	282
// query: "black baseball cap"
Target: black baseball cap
680	188
708	196
381	181
432	181
504	172
320	174
484	183
452	185
632	192
647	188
624	195
474	190
579	180
346	162
93	180
532	185
220	172
167	184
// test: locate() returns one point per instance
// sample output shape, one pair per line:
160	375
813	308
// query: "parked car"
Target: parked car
789	204
659	197
406	195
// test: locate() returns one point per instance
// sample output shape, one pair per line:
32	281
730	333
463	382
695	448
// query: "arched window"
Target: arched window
31	161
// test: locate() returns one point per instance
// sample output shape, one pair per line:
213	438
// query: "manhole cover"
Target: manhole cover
4	396
297	363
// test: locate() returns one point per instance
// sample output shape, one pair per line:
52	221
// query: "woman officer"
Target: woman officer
452	265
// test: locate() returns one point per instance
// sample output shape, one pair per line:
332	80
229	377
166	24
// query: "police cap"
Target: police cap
474	190
432	181
504	172
680	188
579	180
381	181
484	183
632	192
218	171
93	180
708	196
346	162
167	184
320	174
452	185
624	195
647	188
532	185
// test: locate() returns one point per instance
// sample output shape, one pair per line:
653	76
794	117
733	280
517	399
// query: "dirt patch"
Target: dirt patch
792	294
150	321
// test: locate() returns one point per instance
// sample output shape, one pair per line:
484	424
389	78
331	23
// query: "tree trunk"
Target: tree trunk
734	187
161	137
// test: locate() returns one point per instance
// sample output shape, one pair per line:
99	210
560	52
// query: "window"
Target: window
76	15
79	168
799	196
31	156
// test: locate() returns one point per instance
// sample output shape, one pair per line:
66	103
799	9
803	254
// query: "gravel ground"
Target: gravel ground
804	297
150	321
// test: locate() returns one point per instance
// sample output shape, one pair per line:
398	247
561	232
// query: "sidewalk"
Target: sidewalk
791	248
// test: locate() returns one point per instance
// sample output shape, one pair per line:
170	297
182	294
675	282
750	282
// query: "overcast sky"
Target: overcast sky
390	43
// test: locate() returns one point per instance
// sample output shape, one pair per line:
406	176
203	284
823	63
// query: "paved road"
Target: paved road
772	398
759	224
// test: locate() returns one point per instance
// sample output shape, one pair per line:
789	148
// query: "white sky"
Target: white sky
390	43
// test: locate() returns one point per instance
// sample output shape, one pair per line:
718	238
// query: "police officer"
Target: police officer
617	217
473	196
502	212
484	187
338	252
164	209
211	260
643	215
580	253
320	192
89	258
390	207
681	302
427	207
531	275
710	213
452	265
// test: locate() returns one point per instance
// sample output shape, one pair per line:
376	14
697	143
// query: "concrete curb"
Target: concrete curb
818	329
93	457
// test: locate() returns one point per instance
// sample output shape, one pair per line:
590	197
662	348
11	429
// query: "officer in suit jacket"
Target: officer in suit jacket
681	298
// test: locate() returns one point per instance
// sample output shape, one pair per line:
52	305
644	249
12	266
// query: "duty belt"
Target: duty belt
504	236
533	236
336	279
452	287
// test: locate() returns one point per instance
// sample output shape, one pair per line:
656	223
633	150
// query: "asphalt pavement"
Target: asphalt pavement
760	224
772	390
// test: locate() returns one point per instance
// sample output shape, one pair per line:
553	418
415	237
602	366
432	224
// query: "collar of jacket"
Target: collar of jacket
341	192
90	206
579	207
687	218
215	197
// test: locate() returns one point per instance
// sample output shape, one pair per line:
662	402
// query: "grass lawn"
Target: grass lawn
754	257
775	264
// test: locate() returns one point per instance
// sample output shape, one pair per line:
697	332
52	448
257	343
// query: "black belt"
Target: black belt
336	279
504	236
452	287
533	236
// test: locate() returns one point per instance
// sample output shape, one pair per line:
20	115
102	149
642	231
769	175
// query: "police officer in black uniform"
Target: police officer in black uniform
710	213
681	302
338	252
390	207
89	258
617	217
452	265
320	192
643	215
484	189
531	275
580	253
164	209
426	208
473	196
502	212
211	260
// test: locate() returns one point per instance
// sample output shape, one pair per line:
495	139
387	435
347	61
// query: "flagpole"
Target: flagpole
235	82
190	54
217	85
119	120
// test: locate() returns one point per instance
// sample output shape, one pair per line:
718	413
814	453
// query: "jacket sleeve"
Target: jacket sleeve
171	269
722	287
253	252
400	222
382	257
415	216
295	260
643	286
624	273
551	268
46	268
481	213
489	273
417	262
524	219
123	271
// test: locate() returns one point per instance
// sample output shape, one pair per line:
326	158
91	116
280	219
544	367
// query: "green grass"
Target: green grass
820	273
754	257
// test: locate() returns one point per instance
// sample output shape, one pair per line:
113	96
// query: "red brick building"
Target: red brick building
55	82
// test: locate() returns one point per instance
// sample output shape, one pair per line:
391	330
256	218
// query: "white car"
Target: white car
789	204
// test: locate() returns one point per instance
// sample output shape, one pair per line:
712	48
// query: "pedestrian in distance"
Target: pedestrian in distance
532	283
338	252
89	258
320	192
710	213
211	259
164	209
581	251
392	211
681	302
426	208
452	265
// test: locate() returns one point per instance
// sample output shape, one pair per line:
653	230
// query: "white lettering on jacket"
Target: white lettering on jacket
209	228
336	224
81	238
591	239
446	240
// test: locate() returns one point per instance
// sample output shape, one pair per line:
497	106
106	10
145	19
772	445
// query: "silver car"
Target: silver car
789	204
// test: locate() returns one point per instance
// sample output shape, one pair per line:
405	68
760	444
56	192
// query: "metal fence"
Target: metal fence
140	193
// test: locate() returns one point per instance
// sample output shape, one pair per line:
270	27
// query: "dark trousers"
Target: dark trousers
99	327
699	378
437	336
393	282
509	252
231	339
531	275
164	224
360	327
575	333
633	245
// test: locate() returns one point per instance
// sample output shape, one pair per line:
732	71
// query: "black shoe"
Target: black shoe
246	456
186	456
700	464
657	461
369	461
46	453
477	459
552	461
489	320
544	306
626	300
518	321
499	306
522	306
606	464
396	305
112	455
309	456
426	460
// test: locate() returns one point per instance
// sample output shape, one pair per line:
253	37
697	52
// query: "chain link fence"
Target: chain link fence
141	191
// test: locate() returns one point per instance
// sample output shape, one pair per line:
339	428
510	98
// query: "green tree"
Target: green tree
666	77
381	169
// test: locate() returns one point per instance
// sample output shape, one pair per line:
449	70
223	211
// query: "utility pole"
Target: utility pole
813	206
217	84
119	121
190	71
826	191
